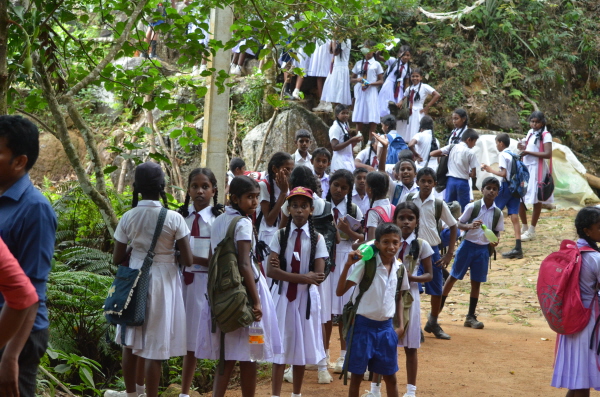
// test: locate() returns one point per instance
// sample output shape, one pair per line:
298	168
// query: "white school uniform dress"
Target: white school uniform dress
366	106
412	335
324	184
194	294
331	304
386	94
238	48
398	191
337	85
303	61
302	338
320	61
363	203
162	335
193	28
266	232
533	163
423	147
456	135
373	218
409	128
237	347
368	156
305	161
341	159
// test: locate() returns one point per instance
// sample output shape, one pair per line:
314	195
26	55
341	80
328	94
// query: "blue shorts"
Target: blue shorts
159	22
474	257
457	190
374	344
506	199
436	285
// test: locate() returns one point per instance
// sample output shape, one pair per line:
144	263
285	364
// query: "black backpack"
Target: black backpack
442	172
324	224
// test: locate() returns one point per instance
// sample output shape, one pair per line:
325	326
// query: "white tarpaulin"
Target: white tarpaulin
571	188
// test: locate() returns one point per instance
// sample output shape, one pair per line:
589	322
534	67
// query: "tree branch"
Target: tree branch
40	122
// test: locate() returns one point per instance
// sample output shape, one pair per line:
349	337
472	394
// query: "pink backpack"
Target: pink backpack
382	214
558	289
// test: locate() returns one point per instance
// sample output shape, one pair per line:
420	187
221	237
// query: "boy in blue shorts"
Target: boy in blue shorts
374	341
505	198
473	253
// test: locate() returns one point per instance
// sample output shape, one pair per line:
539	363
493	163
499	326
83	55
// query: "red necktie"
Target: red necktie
375	162
398	83
336	215
411	100
196	226
293	287
401	255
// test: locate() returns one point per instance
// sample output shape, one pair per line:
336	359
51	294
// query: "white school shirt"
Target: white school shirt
318	205
424	91
341	159
200	245
427	223
505	162
342	207
461	160
398	186
373	219
486	215
324	184
344	56
367	155
363	203
456	134
378	303
532	146
423	147
137	227
426	250
373	70
391	63
299	160
266	196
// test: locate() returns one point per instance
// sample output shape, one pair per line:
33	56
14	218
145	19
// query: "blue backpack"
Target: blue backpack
519	177
396	146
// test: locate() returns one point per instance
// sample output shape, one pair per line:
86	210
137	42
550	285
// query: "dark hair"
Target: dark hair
379	183
149	178
405	160
537	115
403	49
339	108
277	160
418	71
462	113
410	205
321	151
302	133
386	228
22	138
389	121
426	171
239	186
347	175
586	217
490	180
314	237
405	154
504	138
417	96
470	134
236	163
360	170
303	176
427	124
216	209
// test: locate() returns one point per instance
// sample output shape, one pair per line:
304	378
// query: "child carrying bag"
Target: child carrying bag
125	304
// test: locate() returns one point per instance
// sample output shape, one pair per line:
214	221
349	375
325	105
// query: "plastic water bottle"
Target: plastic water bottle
256	339
367	250
491	236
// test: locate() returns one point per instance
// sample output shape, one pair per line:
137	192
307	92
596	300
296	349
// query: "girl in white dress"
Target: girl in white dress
416	96
337	85
199	217
341	143
535	149
297	262
162	336
243	194
367	75
320	65
460	120
412	251
423	143
396	80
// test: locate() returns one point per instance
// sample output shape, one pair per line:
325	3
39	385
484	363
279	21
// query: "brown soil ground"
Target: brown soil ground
513	354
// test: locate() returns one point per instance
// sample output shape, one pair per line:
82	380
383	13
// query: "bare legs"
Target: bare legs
187	374
412	362
537	210
391	385
248	379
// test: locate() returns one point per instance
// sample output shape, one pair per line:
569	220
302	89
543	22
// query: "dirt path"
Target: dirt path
510	357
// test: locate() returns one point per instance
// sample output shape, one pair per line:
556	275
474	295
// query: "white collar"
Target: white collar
464	144
395	264
205	213
324	178
483	206
410	238
229	210
431	196
298	156
341	204
355	193
149	203
379	203
304	228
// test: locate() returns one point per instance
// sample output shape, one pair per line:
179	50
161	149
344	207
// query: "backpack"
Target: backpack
438	205
395	147
381	212
519	177
442	172
495	220
260	216
559	292
324	225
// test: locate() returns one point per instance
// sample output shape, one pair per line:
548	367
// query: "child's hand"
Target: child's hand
257	311
355	139
485	167
521	145
400	332
314	278
274	262
418	158
495	244
380	138
476	224
343	225
445	260
282	180
353	257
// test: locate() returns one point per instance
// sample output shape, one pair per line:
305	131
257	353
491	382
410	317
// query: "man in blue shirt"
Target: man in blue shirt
28	227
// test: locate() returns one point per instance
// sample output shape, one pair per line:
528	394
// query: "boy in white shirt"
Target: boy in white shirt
301	155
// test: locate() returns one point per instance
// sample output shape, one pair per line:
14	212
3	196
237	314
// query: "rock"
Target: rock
282	135
174	390
104	102
504	118
52	162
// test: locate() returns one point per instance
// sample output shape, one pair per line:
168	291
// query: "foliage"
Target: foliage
78	367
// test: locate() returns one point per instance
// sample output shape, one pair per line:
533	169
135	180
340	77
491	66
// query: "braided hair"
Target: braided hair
403	50
303	176
462	113
585	218
414	245
379	183
314	237
339	108
217	208
347	175
277	161
148	182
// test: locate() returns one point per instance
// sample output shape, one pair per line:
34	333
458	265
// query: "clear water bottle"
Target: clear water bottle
256	339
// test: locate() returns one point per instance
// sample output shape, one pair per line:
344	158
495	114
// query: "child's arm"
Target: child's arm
344	227
546	154
436	97
355	79
282	183
400	312
437	153
276	273
446	259
337	145
427	272
379	80
358	164
412	146
382	155
371	233
343	284
186	258
245	267
487	168
119	252
469	226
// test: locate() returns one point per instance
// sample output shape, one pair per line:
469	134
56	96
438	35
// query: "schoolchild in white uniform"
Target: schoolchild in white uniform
321	160
381	210
406	171
536	149
460	120
359	194
396	78
243	193
413	250
341	142
367	76
336	89
162	336
301	155
367	158
416	95
320	65
199	216
423	143
297	263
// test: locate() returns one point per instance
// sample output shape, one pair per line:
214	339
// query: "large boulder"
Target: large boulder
281	137
52	162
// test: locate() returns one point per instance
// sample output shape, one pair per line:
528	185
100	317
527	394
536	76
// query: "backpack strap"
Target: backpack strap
260	216
497	213
439	205
411	196
382	214
397	193
476	211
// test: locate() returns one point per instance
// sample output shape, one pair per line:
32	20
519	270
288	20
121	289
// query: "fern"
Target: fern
79	257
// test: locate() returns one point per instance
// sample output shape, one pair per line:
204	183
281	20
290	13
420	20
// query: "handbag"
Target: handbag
545	188
125	304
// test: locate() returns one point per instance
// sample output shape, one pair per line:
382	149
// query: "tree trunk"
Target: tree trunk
3	56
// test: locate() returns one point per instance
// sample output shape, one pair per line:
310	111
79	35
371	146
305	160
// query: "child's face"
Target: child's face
426	185
471	142
593	232
500	146
239	171
388	245
288	165
416	78
458	121
339	189
360	182
536	124
248	202
385	128
407	173
406	220
344	115
303	144
300	208
320	164
490	192
201	191
405	57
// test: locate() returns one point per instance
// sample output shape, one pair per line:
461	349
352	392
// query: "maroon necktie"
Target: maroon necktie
336	215
411	99
401	255
188	277
293	287
375	162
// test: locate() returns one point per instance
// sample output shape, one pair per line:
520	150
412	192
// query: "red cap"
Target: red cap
300	191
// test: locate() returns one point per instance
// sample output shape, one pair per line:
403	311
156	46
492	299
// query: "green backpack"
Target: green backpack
497	212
